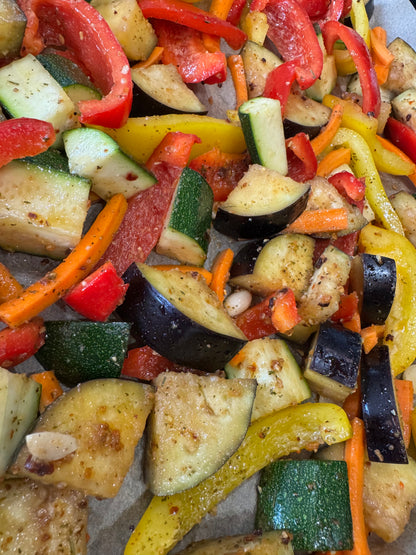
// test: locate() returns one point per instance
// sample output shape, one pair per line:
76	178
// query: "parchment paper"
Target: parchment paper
112	521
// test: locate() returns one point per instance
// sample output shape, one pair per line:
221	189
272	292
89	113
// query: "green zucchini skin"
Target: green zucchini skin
383	432
309	499
334	361
79	351
157	322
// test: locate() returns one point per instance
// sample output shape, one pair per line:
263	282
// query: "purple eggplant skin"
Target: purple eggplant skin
245	259
146	105
337	354
159	324
256	227
376	286
292	128
383	432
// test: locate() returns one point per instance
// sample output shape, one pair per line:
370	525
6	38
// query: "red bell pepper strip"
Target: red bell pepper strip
236	11
348	306
256	321
293	34
146	212
301	159
284	311
279	82
78	27
402	136
22	137
221	170
195	18
146	364
347	8
334	30
333	13
184	48
315	8
99	294
19	344
350	187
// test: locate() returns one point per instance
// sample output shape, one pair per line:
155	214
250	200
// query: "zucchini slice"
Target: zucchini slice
81	350
185	232
263	203
180	317
259	543
107	419
42	519
261	122
95	155
280	383
284	261
31	220
333	362
27	89
159	89
197	423
383	430
19	405
310	499
373	277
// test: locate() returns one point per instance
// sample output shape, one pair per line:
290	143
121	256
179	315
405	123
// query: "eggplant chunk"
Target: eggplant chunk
405	205
324	196
273	542
373	277
39	519
383	432
196	425
107	418
327	284
402	74
389	496
180	317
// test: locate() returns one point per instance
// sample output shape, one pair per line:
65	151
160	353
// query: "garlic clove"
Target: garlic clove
50	446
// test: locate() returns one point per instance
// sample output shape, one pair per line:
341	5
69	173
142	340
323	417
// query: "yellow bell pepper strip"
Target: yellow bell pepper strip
77	265
140	136
362	164
168	519
354	118
400	326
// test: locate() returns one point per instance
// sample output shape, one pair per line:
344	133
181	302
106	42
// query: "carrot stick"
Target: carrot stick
70	271
321	141
319	221
221	272
404	397
284	311
220	8
333	160
182	268
388	145
9	286
352	404
354	324
238	74
370	336
51	388
381	55
354	457
154	58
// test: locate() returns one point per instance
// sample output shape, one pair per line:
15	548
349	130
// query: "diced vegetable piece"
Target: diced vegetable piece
270	362
107	419
384	436
96	156
333	362
405	205
258	543
389	496
263	203
31	220
17	345
258	61
185	232
402	70
80	350
37	518
203	335
12	28
309	499
19	404
304	115
304	426
197	423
